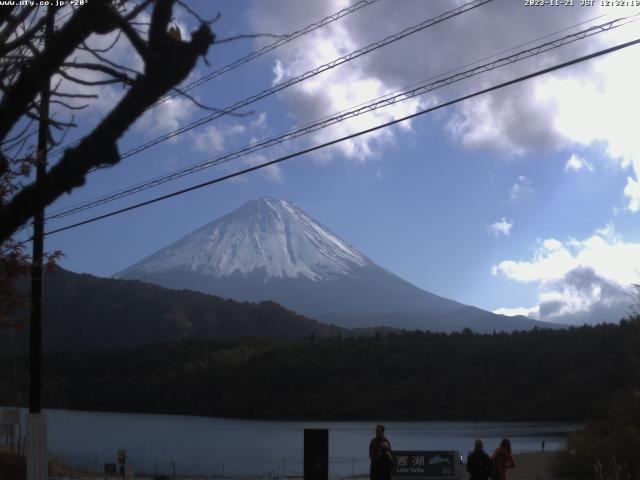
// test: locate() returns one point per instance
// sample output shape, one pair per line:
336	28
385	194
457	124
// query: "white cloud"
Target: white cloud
501	227
167	116
578	280
260	122
522	188
576	163
593	102
512	312
607	254
272	173
632	192
340	88
210	140
119	52
213	139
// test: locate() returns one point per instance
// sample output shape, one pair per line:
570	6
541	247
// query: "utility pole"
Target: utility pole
37	464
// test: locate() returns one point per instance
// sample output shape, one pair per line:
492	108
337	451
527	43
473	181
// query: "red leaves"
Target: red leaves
14	266
15	269
51	259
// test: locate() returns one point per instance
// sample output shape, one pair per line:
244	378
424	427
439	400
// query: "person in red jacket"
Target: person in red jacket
502	460
375	447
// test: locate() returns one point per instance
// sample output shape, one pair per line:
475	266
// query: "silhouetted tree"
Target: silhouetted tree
28	62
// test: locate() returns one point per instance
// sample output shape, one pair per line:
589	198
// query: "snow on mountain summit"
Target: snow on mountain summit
269	235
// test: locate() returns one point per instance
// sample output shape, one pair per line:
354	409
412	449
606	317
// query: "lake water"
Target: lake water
215	446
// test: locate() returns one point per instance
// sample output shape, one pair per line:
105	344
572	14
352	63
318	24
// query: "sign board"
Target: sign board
423	464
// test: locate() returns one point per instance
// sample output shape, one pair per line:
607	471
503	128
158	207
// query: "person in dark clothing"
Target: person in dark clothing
479	463
383	463
375	447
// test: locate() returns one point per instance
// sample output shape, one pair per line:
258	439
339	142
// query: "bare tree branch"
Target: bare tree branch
102	50
5	14
100	68
12	22
249	35
88	83
94	17
197	16
135	39
109	62
17	136
211	109
25	37
69	106
137	10
73	95
169	63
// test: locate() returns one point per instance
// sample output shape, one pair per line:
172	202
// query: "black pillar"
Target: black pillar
35	335
316	454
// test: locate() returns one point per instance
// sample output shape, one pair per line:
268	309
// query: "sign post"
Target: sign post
426	464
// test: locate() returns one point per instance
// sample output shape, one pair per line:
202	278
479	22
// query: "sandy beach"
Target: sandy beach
532	466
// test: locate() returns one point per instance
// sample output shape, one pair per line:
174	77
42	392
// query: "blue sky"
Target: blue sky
522	201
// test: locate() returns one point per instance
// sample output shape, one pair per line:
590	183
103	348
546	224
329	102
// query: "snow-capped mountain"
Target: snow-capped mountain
270	235
271	250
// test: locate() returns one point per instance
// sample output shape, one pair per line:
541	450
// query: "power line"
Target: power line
289	37
309	74
306	75
286	39
387	100
354	135
212	162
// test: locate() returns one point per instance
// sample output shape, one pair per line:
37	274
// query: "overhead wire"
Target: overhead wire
384	101
353	135
286	38
268	48
305	76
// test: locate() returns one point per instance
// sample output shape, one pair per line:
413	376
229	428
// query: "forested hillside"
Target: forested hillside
84	312
541	374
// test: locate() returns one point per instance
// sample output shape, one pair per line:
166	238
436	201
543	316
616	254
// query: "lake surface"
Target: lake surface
215	446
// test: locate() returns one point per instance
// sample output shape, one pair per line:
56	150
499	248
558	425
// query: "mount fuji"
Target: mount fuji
272	250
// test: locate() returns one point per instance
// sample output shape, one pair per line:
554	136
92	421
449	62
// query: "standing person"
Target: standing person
383	463
502	460
479	463
375	447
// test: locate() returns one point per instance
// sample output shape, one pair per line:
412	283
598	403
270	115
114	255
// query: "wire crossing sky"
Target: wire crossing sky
375	104
348	137
305	76
521	200
286	38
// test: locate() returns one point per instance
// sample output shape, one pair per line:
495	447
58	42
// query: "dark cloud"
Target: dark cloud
583	296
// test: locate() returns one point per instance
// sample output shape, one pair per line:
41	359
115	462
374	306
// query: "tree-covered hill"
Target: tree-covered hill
83	312
536	375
